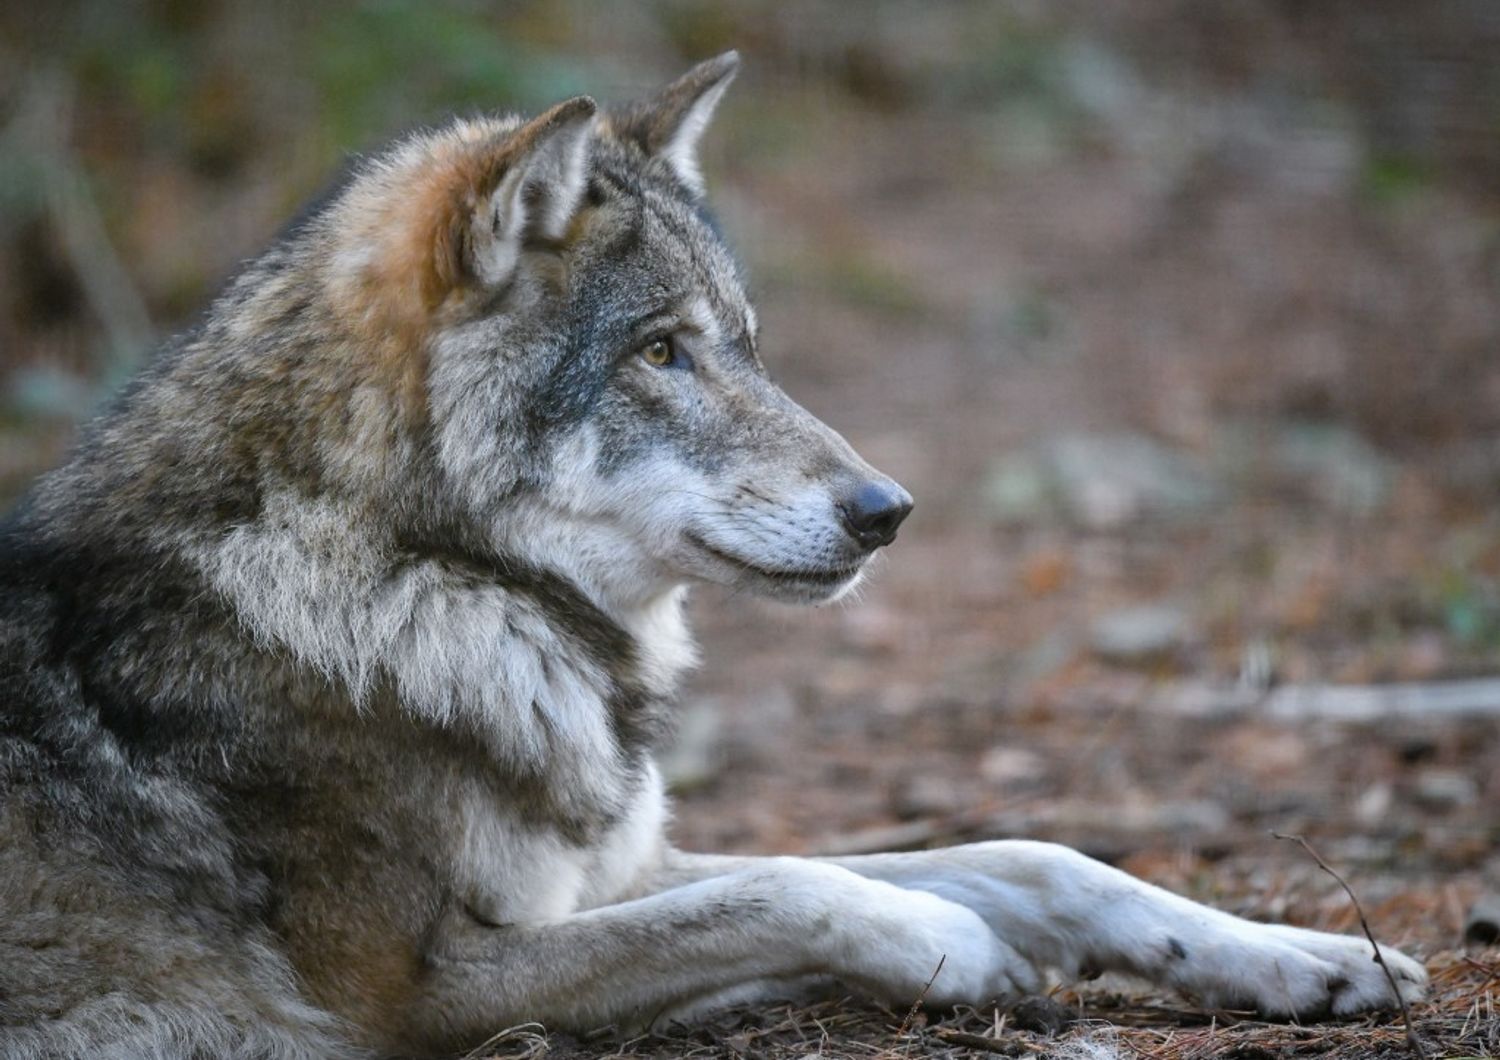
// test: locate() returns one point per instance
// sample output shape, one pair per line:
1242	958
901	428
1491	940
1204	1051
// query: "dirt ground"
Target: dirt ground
1195	376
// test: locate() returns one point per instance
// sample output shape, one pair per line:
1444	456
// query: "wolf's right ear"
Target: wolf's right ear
524	189
669	125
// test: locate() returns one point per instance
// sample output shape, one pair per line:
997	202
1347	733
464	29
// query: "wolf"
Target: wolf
334	661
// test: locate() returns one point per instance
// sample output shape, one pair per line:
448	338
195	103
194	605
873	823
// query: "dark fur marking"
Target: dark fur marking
597	334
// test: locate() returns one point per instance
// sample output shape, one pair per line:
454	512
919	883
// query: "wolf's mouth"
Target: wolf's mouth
825	576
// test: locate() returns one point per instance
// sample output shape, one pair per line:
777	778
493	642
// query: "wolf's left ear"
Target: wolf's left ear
670	124
545	171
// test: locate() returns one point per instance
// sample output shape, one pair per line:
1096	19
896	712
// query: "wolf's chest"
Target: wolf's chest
510	870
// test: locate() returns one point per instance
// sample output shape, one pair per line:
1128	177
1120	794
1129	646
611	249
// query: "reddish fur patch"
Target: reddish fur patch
409	228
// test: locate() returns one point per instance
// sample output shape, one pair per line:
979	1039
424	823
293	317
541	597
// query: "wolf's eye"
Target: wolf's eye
659	353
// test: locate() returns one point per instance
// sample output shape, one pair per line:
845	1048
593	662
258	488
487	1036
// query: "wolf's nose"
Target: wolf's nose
874	511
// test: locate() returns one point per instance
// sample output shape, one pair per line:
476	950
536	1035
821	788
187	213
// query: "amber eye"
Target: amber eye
659	353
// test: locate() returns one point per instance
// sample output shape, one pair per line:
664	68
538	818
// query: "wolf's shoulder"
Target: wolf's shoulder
91	632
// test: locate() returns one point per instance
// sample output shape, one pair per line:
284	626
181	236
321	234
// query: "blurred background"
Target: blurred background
1180	320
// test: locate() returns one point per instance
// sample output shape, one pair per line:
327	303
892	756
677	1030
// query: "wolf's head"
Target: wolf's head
590	374
569	340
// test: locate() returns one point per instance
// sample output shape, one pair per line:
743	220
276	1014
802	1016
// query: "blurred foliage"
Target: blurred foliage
239	110
1393	178
1467	589
406	57
148	114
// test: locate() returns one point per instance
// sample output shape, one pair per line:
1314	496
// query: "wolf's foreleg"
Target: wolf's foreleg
774	919
1062	910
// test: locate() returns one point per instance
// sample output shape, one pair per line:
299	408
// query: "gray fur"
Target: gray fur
277	646
333	662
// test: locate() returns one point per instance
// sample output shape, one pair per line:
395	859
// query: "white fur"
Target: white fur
624	539
1100	1044
1069	913
623	863
681	150
555	170
452	650
1002	915
511	872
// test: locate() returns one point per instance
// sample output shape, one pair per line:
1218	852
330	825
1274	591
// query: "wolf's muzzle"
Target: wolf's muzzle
873	511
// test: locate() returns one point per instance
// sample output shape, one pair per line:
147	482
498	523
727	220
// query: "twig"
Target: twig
911	1013
1412	1041
1477	697
970	1040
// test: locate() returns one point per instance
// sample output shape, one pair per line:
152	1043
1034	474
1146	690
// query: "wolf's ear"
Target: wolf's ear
542	170
670	124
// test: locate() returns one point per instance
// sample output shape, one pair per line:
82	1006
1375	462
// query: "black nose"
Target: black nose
873	512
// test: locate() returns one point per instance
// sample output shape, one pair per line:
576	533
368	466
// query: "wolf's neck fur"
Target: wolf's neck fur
538	648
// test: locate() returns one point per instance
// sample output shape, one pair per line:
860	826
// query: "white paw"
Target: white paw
1291	972
938	951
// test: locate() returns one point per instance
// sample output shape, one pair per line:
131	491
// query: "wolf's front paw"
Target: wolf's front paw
1291	972
1359	984
938	951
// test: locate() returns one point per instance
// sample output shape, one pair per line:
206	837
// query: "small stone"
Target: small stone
1139	634
1106	480
1339	467
926	796
1099	480
1015	491
1042	1015
1482	928
1445	789
1012	765
1372	806
873	628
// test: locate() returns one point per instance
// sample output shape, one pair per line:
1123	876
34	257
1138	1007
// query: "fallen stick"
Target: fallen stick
1444	700
1478	697
1412	1041
917	1004
978	1041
